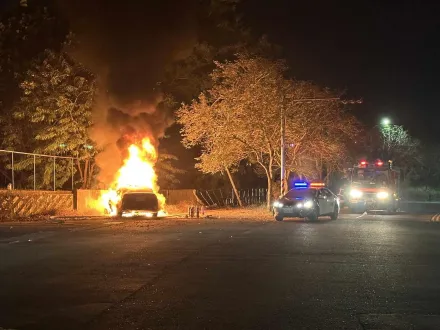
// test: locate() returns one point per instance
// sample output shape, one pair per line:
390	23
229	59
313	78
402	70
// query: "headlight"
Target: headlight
277	204
355	193
382	195
308	204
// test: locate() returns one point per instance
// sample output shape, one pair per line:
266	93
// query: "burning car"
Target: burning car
141	203
134	191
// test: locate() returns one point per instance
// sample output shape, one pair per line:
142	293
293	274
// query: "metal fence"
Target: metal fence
221	197
9	172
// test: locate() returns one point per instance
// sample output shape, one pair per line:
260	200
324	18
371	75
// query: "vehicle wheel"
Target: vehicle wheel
335	214
313	216
279	217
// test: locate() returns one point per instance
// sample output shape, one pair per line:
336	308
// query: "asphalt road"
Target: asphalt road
359	272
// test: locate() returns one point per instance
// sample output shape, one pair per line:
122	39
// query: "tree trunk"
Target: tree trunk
89	181
81	175
234	187
86	173
269	192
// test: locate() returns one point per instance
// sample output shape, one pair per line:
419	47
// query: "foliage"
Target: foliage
319	140
426	172
167	170
398	145
23	36
239	118
55	109
393	142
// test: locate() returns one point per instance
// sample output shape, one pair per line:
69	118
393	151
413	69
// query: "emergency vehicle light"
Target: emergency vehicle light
300	185
317	184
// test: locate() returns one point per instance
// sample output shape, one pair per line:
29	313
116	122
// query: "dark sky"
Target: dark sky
386	52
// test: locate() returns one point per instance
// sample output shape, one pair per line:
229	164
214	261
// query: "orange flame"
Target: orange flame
137	173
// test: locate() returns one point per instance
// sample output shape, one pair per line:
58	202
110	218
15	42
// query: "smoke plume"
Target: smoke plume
128	44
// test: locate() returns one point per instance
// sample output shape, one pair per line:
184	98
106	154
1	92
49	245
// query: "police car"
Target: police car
307	200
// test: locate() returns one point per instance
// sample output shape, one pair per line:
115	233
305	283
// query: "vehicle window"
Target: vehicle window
139	201
299	193
324	193
328	192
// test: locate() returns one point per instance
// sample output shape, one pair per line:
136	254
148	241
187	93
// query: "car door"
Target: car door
323	204
331	200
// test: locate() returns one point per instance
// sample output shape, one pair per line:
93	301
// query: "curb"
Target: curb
435	218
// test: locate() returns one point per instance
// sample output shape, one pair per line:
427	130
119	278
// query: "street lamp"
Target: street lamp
386	121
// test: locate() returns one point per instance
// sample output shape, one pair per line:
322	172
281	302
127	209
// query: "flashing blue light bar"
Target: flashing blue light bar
300	185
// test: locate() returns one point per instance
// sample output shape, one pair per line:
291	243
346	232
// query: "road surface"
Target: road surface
359	272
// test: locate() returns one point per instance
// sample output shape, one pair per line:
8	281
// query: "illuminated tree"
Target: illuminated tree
239	118
54	114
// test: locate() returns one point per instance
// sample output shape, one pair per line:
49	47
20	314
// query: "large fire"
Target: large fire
136	173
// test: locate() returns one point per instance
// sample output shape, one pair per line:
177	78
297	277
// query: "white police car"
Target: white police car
307	200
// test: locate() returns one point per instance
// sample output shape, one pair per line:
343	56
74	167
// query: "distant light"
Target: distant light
386	121
88	146
379	163
364	162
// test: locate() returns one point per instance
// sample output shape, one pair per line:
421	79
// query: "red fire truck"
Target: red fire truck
371	186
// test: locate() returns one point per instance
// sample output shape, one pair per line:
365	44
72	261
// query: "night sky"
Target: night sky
386	52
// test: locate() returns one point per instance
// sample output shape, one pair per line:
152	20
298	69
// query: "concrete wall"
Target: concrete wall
86	201
22	203
175	197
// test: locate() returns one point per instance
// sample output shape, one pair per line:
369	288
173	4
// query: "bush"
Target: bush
420	194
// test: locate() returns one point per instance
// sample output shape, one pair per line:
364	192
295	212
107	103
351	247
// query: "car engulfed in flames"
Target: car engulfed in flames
134	192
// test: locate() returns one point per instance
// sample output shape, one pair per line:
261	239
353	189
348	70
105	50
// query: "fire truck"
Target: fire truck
371	186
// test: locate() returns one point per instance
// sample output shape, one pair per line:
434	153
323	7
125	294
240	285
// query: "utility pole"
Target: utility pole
283	148
283	129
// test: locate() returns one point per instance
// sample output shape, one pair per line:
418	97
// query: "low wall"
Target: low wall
22	203
420	207
86	201
178	196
